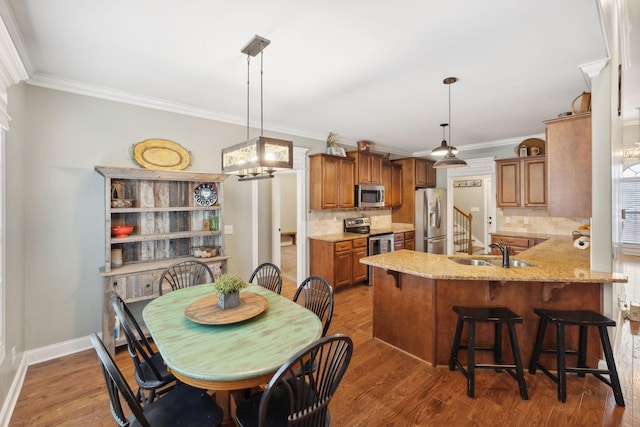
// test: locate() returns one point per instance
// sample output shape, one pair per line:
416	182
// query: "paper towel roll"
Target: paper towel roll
581	242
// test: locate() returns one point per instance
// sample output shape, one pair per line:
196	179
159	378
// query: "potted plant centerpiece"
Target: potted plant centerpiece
228	287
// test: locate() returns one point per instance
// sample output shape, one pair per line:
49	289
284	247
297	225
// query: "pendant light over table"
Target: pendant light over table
260	157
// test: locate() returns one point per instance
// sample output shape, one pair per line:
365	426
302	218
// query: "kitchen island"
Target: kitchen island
414	293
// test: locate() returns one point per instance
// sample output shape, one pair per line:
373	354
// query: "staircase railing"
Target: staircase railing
462	240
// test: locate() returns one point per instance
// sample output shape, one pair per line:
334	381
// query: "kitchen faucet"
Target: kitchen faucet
504	249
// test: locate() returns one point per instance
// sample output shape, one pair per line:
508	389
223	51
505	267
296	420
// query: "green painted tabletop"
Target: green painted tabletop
233	352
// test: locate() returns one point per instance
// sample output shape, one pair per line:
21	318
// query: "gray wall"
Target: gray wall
60	203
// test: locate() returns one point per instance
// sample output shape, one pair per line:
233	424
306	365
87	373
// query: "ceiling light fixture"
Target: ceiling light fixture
632	152
449	160
260	157
443	148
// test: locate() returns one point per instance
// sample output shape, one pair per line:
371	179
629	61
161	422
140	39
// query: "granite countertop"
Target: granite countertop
338	237
523	234
555	260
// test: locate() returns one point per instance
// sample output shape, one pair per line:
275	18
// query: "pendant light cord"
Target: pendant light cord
248	62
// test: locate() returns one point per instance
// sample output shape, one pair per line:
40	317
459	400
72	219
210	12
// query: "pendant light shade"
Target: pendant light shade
260	157
443	148
449	160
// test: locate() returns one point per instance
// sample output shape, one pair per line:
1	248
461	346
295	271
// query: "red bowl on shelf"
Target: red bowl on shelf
121	230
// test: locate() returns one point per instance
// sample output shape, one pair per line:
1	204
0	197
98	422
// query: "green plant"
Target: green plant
228	283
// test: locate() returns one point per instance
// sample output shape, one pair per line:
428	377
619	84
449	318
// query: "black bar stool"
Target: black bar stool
583	319
498	316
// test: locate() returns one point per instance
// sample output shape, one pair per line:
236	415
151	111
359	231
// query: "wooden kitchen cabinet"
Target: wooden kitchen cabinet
515	244
568	151
338	262
331	182
168	225
392	181
410	240
416	173
521	182
368	167
360	271
406	240
425	174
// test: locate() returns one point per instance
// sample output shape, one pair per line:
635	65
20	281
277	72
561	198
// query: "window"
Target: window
631	204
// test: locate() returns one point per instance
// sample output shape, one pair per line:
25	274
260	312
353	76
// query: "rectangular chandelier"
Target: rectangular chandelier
257	158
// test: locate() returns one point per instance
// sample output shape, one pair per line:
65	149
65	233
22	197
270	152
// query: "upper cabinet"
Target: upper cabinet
331	182
569	166
416	173
521	182
392	181
368	167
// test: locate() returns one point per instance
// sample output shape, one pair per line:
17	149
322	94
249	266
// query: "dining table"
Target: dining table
228	355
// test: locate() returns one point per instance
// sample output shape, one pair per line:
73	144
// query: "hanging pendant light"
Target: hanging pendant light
449	160
260	157
443	148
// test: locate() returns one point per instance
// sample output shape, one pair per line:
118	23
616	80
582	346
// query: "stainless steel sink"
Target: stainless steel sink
516	263
470	261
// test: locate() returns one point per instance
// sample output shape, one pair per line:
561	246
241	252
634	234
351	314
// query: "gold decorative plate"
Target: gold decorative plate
206	311
161	154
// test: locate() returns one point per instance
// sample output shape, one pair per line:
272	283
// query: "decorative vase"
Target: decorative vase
230	300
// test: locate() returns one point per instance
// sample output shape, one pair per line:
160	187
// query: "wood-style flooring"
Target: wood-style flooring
382	387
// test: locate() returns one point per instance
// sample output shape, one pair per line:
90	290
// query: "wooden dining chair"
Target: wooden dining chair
291	399
150	373
316	294
182	406
268	276
185	273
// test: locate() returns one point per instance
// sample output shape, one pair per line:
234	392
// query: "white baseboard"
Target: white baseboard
32	357
14	392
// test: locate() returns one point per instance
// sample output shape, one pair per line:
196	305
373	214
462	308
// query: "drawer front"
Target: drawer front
398	237
511	241
408	235
343	246
359	243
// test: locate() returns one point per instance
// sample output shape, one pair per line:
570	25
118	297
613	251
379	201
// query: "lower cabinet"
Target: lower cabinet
406	240
338	262
516	244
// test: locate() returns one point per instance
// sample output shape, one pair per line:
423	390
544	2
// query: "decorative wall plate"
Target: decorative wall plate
161	154
205	194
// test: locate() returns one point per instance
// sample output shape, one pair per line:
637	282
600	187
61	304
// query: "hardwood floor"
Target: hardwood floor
382	387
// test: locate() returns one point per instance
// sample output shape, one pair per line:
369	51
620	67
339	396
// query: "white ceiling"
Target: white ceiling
365	69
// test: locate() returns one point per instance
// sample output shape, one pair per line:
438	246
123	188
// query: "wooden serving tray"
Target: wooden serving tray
206	311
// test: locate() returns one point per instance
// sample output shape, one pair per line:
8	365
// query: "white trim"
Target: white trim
13	394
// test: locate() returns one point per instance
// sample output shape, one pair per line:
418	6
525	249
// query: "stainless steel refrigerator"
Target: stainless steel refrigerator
431	220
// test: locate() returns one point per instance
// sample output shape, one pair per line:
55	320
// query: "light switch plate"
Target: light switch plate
228	229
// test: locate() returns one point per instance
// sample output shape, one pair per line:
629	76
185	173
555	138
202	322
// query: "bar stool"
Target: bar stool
583	319
498	316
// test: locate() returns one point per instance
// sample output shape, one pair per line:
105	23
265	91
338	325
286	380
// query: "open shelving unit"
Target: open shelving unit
168	223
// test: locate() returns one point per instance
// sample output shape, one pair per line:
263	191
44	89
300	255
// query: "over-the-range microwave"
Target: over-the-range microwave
369	196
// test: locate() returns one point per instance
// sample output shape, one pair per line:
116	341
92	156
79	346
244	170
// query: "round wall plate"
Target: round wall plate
205	194
161	154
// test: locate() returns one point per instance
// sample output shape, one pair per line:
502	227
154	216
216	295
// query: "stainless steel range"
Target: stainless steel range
377	243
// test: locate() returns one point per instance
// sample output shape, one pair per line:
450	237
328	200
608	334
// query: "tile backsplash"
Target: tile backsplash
531	221
330	222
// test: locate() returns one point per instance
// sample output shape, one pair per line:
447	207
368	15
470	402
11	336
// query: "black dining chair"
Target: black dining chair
182	406
316	294
268	276
292	399
185	273
150	373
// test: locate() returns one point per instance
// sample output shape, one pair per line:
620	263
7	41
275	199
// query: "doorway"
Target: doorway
472	190
288	213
